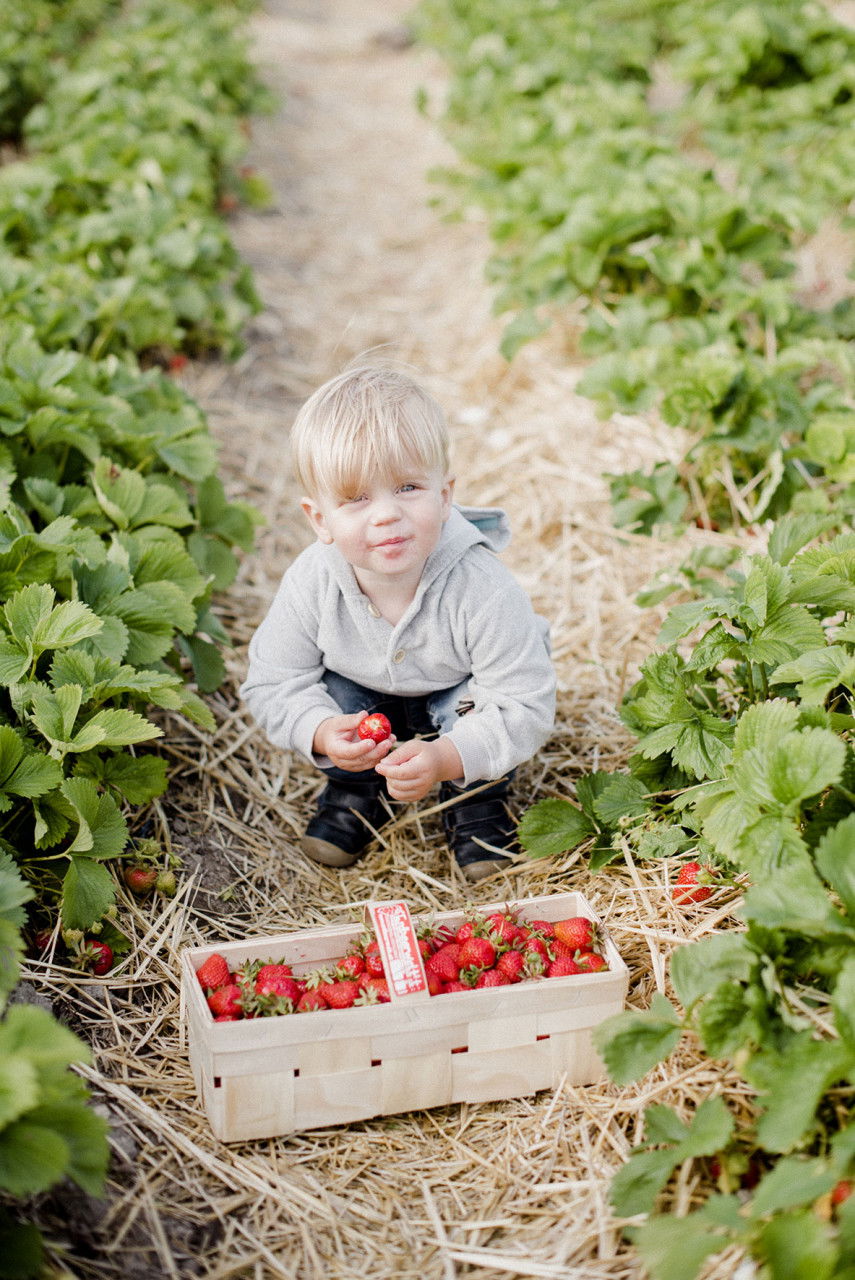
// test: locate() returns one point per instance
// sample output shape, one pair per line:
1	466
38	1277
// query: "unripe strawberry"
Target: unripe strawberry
166	884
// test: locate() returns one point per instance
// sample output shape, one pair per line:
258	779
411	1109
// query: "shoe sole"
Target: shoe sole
329	855
473	872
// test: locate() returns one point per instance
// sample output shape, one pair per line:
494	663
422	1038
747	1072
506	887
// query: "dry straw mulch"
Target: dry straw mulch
352	256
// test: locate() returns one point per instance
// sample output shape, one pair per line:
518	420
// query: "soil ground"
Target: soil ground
353	255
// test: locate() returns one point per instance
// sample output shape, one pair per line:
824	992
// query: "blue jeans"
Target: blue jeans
425	715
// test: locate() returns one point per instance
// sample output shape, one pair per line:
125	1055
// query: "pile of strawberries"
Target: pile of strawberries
494	950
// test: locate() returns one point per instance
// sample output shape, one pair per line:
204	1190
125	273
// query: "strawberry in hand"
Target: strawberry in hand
376	727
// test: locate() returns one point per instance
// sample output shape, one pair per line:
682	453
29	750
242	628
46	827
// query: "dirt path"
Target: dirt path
351	256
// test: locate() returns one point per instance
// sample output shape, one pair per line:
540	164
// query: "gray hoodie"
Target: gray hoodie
470	621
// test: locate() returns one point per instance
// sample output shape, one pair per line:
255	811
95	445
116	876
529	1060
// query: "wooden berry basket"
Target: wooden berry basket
265	1077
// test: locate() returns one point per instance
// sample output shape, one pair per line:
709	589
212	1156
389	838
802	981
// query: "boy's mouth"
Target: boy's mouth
391	542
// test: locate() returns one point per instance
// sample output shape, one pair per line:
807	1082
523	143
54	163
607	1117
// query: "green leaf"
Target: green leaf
833	856
32	1158
794	1181
637	1183
122	728
138	779
804	764
103	831
791	1085
632	1042
553	826
19	1088
87	892
793	532
85	1133
14	890
797	1246
623	796
24	772
699	967
676	1248
21	1249
817	673
844	1004
209	668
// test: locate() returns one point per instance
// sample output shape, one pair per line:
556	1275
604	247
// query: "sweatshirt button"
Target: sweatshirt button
399	655
373	610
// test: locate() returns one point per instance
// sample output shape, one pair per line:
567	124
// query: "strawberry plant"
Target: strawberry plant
708	143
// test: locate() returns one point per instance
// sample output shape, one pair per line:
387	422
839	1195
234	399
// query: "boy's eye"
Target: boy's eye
409	487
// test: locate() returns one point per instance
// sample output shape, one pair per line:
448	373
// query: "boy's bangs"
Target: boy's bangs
373	453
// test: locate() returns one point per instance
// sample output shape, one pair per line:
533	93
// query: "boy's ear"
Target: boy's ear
447	496
315	517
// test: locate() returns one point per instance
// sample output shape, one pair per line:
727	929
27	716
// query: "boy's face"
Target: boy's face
387	531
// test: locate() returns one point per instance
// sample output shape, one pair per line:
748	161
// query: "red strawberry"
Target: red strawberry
693	883
591	961
228	1017
340	995
841	1191
511	964
535	947
379	988
214	972
455	985
373	960
577	932
436	986
562	967
177	361
543	928
100	956
351	966
140	879
311	1001
445	963
277	980
559	950
503	927
492	978
465	932
226	1000
376	727
477	952
42	939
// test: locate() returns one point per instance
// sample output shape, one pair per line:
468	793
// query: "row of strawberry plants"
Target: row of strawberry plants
653	174
35	40
743	768
115	529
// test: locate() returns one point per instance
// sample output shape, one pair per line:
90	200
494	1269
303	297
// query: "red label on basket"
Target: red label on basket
399	947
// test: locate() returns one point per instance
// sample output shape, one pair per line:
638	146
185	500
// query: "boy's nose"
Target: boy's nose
385	508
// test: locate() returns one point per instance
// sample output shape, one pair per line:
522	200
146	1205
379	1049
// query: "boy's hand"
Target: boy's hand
414	767
337	739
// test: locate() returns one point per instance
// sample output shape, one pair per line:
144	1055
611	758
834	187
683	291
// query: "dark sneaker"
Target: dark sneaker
479	828
344	824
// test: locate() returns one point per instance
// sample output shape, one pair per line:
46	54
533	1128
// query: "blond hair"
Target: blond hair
366	422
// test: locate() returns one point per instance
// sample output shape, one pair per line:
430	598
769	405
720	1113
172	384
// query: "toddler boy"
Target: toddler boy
401	606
